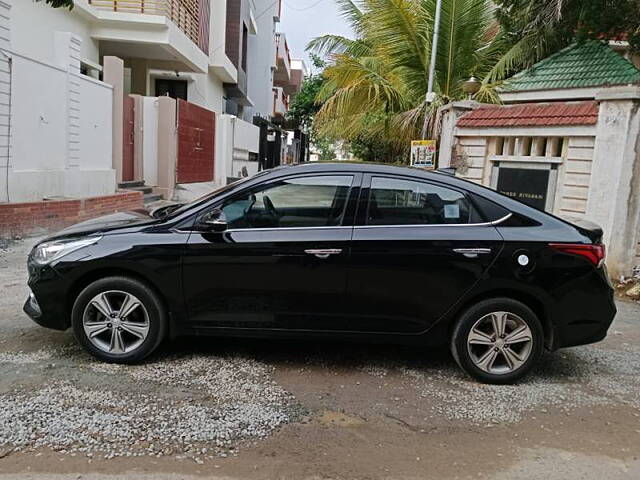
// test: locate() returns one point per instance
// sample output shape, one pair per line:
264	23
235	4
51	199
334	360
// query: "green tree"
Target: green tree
375	84
59	3
535	29
304	106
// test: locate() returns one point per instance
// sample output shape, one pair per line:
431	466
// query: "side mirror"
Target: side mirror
215	220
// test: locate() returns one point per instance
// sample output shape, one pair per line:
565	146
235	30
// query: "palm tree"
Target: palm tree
376	83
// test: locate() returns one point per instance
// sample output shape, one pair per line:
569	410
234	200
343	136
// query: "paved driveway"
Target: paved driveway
292	410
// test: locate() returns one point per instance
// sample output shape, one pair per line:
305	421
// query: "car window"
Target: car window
395	201
293	202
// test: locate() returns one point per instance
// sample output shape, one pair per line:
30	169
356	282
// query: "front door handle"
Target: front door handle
472	252
323	253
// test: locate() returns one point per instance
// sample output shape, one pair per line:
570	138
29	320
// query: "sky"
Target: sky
303	20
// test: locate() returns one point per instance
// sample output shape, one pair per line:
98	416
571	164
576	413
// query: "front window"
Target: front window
294	202
405	202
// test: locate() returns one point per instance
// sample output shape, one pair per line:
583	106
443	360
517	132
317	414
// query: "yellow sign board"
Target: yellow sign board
423	153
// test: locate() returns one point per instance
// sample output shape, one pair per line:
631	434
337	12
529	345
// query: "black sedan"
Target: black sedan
350	251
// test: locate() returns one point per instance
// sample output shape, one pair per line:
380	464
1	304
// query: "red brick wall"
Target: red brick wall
36	218
196	143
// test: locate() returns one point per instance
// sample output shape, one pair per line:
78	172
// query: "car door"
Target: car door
282	261
418	247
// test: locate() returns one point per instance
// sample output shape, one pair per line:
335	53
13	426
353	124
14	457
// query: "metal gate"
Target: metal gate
128	143
196	143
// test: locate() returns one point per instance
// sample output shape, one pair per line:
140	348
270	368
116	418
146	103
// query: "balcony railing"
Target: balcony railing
190	16
280	102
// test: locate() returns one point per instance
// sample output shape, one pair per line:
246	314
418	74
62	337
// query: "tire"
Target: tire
492	358
137	334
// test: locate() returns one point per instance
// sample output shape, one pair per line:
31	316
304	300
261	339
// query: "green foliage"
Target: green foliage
59	3
374	85
535	29
304	106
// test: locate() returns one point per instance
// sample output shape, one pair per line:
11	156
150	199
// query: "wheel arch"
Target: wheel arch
535	304
91	276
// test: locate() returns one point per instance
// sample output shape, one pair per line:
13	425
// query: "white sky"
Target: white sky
303	20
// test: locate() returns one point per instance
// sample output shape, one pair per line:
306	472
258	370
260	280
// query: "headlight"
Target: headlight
49	251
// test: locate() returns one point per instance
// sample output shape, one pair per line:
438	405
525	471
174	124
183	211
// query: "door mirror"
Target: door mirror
215	220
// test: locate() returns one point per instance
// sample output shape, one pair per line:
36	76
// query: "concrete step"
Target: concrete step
145	190
131	184
151	198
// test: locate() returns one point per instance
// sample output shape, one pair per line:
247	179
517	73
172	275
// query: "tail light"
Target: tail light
593	253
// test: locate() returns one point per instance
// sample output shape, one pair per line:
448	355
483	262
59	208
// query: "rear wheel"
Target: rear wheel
119	320
497	341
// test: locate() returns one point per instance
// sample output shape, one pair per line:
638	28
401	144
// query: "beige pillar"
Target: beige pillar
139	81
167	146
114	75
614	192
450	115
138	138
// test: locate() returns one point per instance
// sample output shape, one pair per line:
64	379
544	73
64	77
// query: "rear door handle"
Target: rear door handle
323	253
472	252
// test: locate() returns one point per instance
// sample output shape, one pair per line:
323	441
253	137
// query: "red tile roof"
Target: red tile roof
532	114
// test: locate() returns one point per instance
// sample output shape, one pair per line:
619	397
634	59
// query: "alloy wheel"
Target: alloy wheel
116	322
500	343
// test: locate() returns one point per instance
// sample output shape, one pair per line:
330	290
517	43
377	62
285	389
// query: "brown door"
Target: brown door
196	143
127	140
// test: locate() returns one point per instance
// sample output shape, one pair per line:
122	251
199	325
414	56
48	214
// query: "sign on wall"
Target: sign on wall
527	185
423	153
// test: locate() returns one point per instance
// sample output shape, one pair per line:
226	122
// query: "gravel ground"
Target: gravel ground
258	409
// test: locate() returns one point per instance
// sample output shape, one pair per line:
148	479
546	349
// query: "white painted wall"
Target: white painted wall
235	138
34	24
5	96
61	129
150	140
262	55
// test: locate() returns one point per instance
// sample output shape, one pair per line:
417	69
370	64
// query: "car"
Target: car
349	251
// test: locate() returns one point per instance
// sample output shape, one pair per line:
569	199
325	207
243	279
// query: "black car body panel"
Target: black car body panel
392	283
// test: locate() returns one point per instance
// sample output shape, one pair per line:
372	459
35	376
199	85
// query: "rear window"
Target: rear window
394	201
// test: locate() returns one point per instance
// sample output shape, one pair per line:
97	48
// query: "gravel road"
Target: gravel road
257	409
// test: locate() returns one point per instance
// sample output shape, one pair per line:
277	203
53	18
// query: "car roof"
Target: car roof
352	166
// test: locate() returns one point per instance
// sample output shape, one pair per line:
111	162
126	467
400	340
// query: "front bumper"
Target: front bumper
47	302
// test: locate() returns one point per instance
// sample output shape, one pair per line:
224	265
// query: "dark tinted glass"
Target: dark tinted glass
294	202
406	202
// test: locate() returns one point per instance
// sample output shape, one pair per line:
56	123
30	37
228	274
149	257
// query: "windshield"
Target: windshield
226	188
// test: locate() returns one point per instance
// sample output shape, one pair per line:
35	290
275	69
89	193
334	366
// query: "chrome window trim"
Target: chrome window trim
485	224
279	229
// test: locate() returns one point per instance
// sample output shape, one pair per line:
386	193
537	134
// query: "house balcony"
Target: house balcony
280	103
282	75
174	34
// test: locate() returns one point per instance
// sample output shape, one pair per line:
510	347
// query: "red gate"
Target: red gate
128	139
196	143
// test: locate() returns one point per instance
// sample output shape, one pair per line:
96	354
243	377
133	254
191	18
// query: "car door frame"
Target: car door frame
478	228
346	225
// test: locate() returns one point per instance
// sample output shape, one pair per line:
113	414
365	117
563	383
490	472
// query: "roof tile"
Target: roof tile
589	64
545	114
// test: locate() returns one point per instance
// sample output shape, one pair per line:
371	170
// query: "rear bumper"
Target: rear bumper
585	311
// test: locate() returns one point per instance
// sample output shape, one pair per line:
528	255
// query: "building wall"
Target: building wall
61	144
572	166
575	178
60	121
34	24
262	47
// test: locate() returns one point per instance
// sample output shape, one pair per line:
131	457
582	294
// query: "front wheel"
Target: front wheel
497	341
118	320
